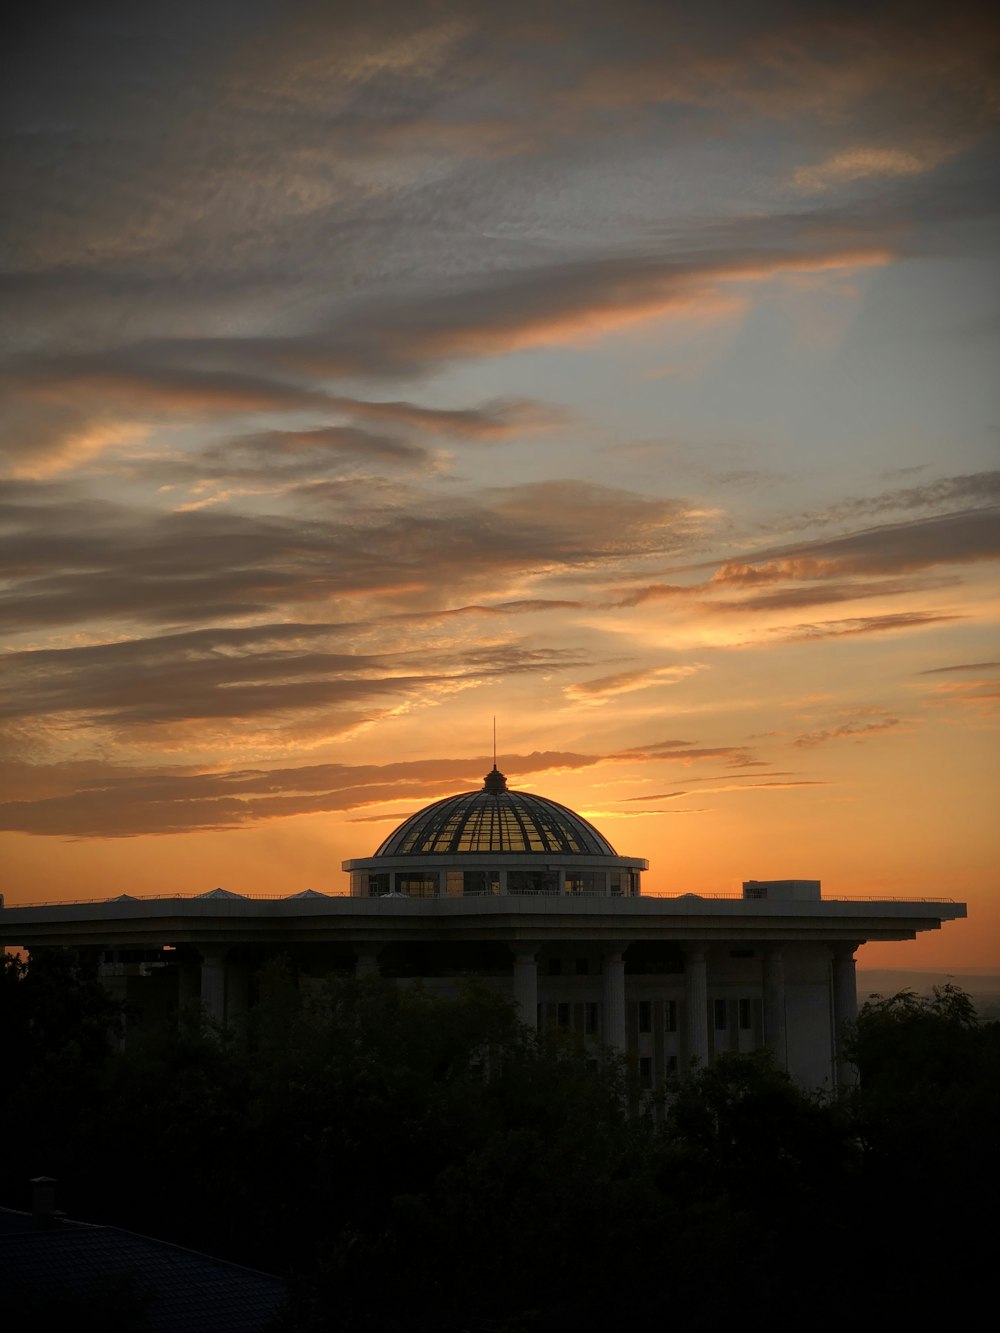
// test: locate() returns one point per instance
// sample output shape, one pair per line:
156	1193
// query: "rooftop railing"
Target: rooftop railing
659	894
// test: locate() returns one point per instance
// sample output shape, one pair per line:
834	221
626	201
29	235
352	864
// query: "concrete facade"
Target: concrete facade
668	980
527	896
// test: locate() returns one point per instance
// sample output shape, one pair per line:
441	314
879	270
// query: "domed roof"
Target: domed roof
495	820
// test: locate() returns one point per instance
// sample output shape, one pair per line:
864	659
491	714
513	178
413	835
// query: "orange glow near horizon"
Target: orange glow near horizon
704	828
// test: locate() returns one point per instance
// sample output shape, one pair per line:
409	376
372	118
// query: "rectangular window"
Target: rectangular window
745	1020
590	1017
625	883
645	1072
585	881
532	881
417	886
583	967
562	1015
671	1064
670	1016
645	1016
720	1016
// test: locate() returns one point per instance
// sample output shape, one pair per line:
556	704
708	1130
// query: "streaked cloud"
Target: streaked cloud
853	164
195	567
625	682
109	801
973	686
620	372
753	784
856	729
861	625
687	752
959	537
962	666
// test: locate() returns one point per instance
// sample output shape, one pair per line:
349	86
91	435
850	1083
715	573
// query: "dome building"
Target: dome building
526	895
495	841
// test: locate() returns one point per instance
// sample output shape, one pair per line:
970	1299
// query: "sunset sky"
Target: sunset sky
622	371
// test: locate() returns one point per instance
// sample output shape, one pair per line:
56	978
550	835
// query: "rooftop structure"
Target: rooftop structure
495	841
51	1266
493	820
527	895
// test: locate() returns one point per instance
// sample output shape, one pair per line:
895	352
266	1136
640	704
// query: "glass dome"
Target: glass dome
495	820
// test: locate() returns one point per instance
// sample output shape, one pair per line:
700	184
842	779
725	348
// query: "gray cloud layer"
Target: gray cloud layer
245	246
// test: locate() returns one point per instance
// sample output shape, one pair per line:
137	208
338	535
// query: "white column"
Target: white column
615	1035
213	984
366	961
237	994
696	1002
526	983
845	1010
775	1037
188	979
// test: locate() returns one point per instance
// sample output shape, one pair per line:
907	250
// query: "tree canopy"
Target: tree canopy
418	1163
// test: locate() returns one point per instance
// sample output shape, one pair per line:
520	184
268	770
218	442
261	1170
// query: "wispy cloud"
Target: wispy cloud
858	163
962	666
339	405
688	752
973	686
855	729
862	625
188	568
959	537
752	784
106	801
603	688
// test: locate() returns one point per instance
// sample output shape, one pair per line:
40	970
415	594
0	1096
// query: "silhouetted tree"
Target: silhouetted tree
60	1028
926	1112
424	1164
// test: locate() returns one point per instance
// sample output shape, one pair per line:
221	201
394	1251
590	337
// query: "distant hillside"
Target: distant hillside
983	987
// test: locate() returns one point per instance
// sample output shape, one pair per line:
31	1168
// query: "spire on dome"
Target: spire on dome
494	780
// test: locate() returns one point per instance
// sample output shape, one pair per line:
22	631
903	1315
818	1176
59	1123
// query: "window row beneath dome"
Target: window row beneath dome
456	883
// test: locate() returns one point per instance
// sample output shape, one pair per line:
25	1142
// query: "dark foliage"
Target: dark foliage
926	1112
424	1164
59	1030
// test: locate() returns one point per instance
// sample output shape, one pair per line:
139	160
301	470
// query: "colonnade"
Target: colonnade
223	991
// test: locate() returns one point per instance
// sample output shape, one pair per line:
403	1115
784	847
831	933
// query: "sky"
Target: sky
622	372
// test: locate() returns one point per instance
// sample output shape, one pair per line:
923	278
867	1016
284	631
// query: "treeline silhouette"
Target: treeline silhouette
419	1164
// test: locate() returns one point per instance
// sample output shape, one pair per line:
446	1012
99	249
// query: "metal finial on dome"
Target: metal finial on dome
494	780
